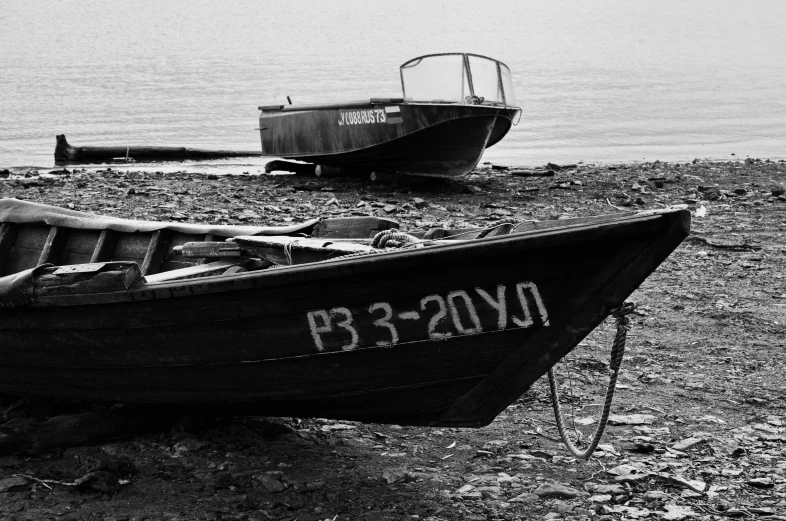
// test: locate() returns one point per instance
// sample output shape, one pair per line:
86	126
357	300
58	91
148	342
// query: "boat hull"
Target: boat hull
444	140
437	336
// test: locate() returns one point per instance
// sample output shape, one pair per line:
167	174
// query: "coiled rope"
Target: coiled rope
392	238
617	351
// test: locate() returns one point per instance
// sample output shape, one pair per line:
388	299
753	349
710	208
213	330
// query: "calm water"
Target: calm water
598	81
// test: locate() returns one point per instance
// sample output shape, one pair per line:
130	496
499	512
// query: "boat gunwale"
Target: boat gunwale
338	268
378	101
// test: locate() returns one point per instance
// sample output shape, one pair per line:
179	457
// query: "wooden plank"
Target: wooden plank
53	247
215	250
8	233
172	261
105	246
202	270
156	252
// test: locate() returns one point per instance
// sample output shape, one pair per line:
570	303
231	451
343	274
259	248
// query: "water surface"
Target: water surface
597	81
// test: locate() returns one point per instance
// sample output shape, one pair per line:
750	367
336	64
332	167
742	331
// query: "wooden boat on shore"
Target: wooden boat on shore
453	107
308	320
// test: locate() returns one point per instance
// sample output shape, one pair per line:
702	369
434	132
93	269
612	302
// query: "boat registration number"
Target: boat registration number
360	117
435	317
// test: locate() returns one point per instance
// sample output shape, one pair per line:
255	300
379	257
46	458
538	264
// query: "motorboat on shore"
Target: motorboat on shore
453	107
321	319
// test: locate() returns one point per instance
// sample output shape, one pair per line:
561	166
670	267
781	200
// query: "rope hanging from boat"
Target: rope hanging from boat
617	351
491	227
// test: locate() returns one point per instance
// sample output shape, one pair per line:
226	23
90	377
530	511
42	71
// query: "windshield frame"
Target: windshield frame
466	73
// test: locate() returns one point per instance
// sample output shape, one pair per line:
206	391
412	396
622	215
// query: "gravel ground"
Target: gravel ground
698	431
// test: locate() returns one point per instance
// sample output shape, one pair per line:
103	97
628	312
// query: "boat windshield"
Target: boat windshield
457	78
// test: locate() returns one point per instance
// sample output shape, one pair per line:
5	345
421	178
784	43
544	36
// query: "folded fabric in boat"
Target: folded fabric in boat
18	289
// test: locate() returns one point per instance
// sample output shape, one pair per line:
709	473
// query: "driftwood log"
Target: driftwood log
65	153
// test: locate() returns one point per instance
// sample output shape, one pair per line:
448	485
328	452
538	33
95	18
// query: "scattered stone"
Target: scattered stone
526	497
490	492
761	482
315	486
622	470
678	513
271	482
631	419
688	443
14	483
556	490
614	488
394	475
419	203
692	484
631	478
190	445
652	431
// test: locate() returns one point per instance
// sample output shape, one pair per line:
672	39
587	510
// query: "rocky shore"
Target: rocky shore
699	430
